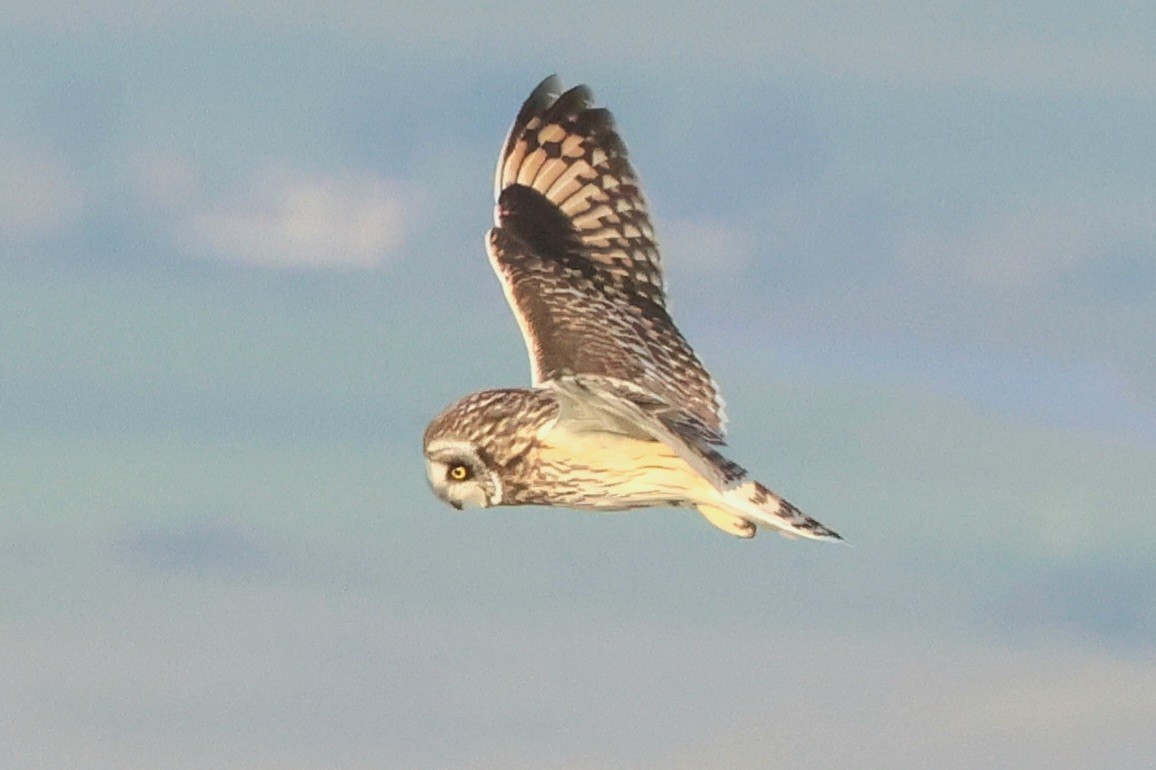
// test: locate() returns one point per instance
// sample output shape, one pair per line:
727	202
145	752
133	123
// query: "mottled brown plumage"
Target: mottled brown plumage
622	414
577	254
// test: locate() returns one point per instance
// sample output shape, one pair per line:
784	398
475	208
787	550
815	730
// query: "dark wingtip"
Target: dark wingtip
552	100
834	537
572	102
547	91
540	99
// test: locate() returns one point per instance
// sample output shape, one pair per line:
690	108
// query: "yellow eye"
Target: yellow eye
459	472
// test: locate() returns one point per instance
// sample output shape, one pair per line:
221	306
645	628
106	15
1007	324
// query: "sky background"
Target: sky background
241	267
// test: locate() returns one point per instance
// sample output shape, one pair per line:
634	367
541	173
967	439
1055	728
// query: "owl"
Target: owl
622	413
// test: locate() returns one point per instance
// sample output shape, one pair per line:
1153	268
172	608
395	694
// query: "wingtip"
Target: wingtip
830	536
551	94
544	96
547	91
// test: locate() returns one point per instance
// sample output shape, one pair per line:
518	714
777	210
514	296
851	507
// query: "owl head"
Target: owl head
477	441
459	476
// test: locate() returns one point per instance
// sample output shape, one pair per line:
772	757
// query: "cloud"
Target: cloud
41	195
297	220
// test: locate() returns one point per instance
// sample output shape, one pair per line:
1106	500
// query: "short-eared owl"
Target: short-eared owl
622	414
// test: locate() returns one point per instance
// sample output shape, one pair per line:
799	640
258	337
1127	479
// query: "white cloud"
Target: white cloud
40	195
289	219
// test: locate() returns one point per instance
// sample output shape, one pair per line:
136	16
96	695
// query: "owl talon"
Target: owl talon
728	522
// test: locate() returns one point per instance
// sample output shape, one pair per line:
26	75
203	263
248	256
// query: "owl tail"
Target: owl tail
748	505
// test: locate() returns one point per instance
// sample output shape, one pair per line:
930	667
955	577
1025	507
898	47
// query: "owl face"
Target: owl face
458	475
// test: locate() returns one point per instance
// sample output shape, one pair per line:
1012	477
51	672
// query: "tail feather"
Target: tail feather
760	506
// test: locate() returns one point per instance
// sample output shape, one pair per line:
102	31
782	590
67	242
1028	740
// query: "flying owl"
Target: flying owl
622	414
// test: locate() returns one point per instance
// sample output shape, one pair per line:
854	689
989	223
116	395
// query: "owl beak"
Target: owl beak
456	505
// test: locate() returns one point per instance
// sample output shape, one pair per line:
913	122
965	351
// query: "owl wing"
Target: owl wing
576	254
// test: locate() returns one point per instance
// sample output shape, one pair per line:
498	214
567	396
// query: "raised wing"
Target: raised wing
577	257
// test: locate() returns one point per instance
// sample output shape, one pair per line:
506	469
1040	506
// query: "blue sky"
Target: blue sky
242	265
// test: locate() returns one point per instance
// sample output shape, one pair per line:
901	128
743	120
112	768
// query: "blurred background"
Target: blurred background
241	266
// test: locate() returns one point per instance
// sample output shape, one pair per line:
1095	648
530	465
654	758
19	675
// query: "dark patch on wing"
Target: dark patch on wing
542	226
